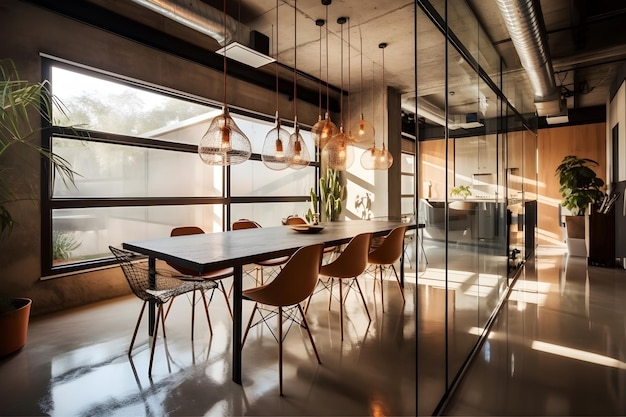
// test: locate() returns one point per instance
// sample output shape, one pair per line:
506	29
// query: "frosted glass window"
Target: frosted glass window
109	170
85	234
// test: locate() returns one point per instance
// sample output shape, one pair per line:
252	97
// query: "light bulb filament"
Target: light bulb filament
225	143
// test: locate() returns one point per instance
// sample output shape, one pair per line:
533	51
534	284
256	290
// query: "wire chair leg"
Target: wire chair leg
132	341
155	335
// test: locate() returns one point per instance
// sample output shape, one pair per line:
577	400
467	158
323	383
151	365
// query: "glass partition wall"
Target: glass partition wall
476	183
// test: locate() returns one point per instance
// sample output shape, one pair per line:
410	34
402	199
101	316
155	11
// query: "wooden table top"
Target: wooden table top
205	252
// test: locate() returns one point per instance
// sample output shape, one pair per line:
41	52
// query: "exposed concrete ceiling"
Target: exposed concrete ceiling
586	40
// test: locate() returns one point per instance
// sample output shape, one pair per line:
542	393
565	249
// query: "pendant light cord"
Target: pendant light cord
327	98
295	62
383	46
276	57
349	81
361	83
319	102
341	98
224	18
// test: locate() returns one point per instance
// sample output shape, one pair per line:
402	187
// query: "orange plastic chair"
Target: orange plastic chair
217	275
387	253
271	263
348	265
293	284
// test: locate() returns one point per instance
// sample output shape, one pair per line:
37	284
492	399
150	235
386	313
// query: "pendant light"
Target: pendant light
362	129
273	154
338	153
224	143
324	129
374	158
298	155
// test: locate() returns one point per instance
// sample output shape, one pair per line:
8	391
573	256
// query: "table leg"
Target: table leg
237	317
152	284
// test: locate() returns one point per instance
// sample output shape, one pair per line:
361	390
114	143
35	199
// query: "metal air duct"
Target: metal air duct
210	21
524	22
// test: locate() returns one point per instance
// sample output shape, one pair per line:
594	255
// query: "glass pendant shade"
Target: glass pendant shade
363	130
298	155
274	154
323	131
338	152
376	159
224	143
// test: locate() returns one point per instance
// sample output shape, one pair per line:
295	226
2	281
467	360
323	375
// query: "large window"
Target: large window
134	150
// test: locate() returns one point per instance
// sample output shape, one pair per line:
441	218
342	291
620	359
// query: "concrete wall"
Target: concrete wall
26	32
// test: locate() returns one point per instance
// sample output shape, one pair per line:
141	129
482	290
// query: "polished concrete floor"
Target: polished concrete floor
558	347
75	363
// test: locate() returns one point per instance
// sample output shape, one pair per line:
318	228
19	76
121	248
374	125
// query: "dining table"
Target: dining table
236	248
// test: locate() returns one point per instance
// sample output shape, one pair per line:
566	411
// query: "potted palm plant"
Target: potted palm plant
20	101
580	187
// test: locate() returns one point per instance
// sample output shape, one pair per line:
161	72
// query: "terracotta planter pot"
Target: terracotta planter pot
14	326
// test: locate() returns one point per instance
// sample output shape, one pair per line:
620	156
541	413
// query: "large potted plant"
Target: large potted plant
580	187
20	101
331	196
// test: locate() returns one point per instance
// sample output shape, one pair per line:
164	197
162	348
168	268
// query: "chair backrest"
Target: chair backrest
183	231
297	280
245	224
390	249
353	259
295	220
137	278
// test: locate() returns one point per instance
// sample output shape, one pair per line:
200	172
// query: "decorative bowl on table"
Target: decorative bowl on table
306	228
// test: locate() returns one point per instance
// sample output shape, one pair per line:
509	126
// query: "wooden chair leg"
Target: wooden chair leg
230	311
245	335
280	348
399	284
341	308
363	298
382	291
193	311
306	325
206	310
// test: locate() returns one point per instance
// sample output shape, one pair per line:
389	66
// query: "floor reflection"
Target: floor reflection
557	348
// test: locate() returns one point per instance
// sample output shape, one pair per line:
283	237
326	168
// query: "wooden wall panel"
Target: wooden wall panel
585	141
432	167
